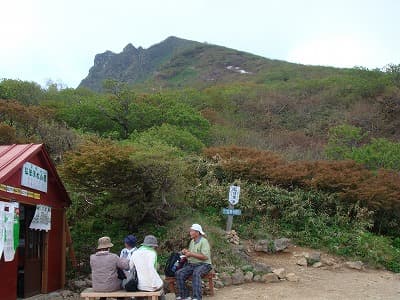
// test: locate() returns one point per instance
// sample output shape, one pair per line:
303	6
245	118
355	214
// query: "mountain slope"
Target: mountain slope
177	62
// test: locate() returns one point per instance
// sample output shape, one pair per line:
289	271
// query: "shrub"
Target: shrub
169	135
377	191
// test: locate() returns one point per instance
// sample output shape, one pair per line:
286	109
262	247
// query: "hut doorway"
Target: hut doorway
31	254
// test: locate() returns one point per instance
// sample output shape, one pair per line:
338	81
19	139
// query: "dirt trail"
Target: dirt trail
328	282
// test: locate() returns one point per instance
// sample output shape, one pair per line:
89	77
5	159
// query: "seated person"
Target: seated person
199	263
144	260
104	265
130	247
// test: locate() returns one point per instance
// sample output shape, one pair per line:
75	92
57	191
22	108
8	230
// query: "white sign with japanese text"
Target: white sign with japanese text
34	177
234	192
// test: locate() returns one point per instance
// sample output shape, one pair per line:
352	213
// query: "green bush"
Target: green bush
345	142
169	135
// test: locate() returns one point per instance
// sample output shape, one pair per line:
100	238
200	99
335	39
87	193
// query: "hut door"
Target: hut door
33	256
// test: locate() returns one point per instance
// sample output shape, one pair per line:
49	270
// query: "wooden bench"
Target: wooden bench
89	294
209	276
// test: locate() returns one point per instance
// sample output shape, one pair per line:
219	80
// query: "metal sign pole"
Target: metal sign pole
230	220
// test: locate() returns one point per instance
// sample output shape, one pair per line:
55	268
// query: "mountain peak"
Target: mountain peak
129	48
177	62
133	64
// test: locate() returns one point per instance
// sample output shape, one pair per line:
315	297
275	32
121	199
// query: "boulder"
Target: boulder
358	265
226	279
218	284
313	257
281	244
238	277
261	267
302	262
317	264
328	261
248	276
281	273
270	277
262	246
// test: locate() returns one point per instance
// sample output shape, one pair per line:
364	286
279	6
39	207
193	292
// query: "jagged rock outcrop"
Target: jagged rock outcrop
133	64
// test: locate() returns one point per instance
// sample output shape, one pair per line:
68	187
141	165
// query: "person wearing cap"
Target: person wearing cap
104	265
130	247
199	263
144	260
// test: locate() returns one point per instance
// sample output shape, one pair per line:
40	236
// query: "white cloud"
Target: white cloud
338	51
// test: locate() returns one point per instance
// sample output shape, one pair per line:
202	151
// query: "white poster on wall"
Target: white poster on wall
11	230
2	227
42	218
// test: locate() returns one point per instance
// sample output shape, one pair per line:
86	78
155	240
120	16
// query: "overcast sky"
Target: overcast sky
58	39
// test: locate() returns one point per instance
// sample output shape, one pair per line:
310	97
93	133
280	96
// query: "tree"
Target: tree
22	91
394	73
119	106
124	181
345	143
23	124
379	153
24	119
169	135
7	135
342	139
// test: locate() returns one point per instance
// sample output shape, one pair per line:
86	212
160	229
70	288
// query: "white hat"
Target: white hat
198	228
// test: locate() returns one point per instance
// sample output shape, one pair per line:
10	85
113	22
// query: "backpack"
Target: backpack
132	281
174	263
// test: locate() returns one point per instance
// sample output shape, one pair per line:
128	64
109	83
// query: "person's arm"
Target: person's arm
123	263
200	256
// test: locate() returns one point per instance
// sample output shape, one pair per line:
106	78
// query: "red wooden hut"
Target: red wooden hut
29	181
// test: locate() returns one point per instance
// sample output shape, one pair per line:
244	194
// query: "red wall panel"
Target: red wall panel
55	251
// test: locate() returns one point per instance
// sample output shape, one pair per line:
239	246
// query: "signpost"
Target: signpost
233	198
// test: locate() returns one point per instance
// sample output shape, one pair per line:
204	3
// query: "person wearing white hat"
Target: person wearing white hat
199	263
104	265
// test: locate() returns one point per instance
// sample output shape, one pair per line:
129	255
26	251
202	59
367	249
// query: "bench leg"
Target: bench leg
171	286
211	286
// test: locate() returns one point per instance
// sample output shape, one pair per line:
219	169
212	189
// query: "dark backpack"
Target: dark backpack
132	282
174	263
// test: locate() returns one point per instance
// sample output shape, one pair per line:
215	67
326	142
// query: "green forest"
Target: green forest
315	150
